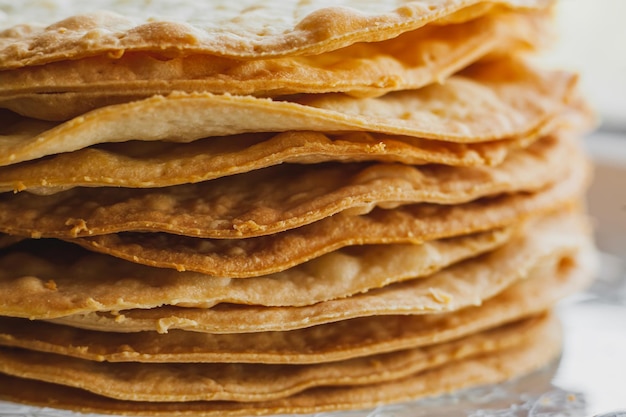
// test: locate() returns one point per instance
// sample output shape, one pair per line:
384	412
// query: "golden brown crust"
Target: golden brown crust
414	223
235	30
503	99
65	89
48	279
261	202
162	164
540	249
258	382
492	367
330	342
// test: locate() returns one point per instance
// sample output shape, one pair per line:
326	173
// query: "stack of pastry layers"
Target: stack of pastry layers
279	208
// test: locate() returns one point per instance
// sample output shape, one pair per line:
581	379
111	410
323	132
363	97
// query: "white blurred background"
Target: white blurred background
593	41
